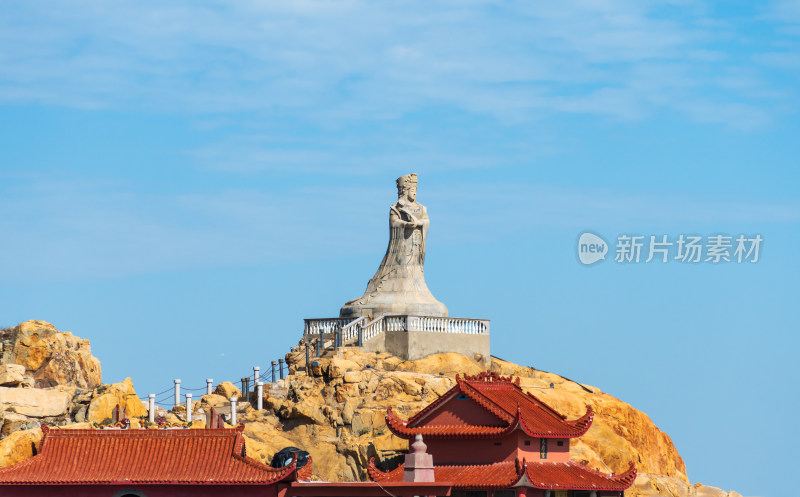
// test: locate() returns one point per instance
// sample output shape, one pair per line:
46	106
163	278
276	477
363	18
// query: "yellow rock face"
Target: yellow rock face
227	390
34	402
338	416
19	446
52	357
71	363
619	434
102	406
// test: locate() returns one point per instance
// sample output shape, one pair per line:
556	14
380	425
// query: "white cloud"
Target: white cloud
348	60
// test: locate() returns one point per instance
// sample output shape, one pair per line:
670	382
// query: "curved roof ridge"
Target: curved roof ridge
486	402
143	456
629	473
584	422
577	476
378	475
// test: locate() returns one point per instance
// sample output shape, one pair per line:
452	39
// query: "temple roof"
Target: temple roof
502	397
545	475
171	457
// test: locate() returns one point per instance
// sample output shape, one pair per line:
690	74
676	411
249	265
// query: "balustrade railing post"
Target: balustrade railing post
319	347
233	410
273	371
308	358
177	392
256	374
209	384
280	367
246	389
188	408
360	336
260	395
151	407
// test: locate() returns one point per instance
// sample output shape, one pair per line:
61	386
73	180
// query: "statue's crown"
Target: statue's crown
406	180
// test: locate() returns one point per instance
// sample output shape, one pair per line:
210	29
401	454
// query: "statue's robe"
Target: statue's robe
398	286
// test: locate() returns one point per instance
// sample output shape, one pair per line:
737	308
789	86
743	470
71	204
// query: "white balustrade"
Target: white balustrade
349	328
325	325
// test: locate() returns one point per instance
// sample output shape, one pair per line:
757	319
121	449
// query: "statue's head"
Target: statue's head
407	187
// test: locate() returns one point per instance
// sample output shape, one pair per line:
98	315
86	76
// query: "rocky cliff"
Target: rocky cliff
336	412
36	354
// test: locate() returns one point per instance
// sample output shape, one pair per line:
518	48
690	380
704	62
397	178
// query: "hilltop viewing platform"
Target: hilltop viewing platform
405	336
397	313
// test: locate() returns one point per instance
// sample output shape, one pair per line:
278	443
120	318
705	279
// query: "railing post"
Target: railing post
260	395
151	407
273	371
256	374
177	392
280	367
321	340
233	411
209	382
360	336
318	343
308	358
336	335
246	388
188	408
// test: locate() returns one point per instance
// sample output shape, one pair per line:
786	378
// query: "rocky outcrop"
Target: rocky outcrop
19	446
50	357
50	377
336	412
23	444
227	390
33	402
107	397
12	375
343	403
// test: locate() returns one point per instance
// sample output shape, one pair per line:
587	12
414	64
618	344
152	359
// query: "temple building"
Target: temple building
172	463
491	439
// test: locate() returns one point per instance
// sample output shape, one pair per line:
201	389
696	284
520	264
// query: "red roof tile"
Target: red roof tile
545	475
400	428
501	396
208	456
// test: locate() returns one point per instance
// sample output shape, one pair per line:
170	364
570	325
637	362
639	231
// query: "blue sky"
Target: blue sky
184	182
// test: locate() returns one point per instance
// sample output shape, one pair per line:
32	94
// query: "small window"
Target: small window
542	448
560	443
527	442
462	397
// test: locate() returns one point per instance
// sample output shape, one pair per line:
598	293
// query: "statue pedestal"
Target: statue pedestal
408	337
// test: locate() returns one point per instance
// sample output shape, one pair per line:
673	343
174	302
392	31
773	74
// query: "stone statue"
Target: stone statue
398	286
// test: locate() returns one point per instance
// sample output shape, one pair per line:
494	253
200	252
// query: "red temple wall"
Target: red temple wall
532	452
484	451
461	411
472	451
